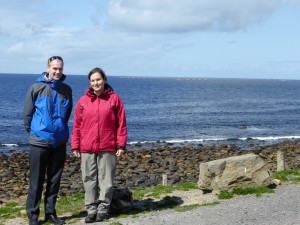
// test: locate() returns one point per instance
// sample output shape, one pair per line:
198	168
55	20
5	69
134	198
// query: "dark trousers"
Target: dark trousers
42	160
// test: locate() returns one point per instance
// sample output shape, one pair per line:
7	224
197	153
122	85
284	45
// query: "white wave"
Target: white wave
10	145
217	139
273	137
180	140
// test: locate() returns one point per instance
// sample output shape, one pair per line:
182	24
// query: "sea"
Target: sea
250	113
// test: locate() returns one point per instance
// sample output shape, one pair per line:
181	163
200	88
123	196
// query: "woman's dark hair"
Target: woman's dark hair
97	70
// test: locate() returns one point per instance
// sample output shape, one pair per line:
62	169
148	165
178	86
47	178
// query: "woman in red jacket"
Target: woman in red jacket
99	137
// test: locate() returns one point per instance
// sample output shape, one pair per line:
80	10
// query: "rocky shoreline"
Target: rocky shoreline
141	167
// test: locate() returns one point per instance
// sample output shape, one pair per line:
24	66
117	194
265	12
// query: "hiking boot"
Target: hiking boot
100	217
33	222
90	218
52	218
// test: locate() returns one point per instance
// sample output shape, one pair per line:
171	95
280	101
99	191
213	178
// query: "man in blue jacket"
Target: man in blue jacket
47	109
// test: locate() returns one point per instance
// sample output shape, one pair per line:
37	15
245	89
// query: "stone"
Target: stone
243	171
23	212
276	182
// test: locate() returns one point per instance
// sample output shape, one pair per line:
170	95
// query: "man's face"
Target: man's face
55	69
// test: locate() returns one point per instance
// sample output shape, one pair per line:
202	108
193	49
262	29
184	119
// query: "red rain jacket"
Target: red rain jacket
99	123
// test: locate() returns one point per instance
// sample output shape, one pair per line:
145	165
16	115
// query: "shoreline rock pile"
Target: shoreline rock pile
141	167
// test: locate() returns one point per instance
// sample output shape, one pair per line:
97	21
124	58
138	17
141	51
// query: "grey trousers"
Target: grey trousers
98	174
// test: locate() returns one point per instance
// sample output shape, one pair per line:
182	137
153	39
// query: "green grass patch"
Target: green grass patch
186	186
186	207
225	195
296	180
157	191
258	191
193	206
65	204
122	216
11	210
70	204
210	204
292	176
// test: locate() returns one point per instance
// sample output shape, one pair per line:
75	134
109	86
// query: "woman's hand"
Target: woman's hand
76	153
120	152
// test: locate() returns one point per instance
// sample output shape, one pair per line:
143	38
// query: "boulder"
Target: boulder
243	171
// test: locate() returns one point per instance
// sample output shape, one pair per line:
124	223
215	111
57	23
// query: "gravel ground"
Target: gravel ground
279	208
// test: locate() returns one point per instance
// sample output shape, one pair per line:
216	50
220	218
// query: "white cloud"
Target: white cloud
190	15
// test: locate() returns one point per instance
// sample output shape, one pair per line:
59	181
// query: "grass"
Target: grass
225	195
10	210
10	207
193	206
157	191
149	198
258	191
291	176
140	193
70	204
65	204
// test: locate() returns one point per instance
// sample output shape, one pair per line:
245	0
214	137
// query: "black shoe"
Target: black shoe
100	217
54	219
33	222
90	218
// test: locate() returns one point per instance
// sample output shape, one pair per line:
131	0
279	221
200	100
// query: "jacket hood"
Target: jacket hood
108	90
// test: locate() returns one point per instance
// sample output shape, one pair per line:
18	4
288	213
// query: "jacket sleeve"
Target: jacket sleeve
70	105
29	108
121	124
75	145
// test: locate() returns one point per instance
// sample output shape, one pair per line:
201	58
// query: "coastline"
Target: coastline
249	143
143	167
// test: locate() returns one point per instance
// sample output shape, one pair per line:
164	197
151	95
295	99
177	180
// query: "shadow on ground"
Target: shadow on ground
142	206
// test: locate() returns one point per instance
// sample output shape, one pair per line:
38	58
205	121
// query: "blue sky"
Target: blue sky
166	38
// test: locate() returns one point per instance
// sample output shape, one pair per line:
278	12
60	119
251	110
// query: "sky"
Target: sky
153	38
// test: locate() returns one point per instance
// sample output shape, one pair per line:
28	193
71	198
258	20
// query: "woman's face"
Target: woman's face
97	83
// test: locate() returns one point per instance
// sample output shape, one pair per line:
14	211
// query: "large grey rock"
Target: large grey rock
239	171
